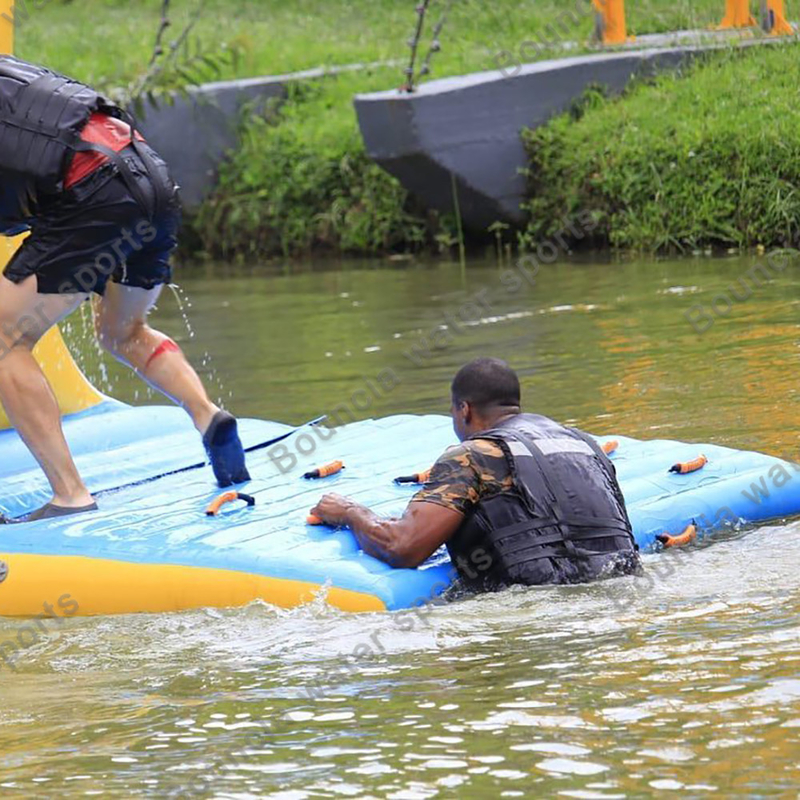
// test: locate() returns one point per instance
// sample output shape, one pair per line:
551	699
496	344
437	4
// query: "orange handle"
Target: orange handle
610	447
313	519
682	467
325	471
331	469
228	497
417	477
689	535
217	504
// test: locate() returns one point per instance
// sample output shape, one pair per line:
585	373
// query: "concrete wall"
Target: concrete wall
196	131
469	127
194	134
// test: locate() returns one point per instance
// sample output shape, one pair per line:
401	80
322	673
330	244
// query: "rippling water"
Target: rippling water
686	679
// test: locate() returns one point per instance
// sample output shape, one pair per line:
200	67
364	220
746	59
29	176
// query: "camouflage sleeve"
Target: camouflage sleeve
454	482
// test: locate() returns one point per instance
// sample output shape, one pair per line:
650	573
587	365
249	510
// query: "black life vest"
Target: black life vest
42	115
564	522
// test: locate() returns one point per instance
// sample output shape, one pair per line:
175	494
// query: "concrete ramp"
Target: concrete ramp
468	128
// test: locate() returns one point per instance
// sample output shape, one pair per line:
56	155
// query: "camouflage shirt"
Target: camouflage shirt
466	474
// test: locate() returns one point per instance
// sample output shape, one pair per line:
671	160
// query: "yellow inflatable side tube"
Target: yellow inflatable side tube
73	391
105	586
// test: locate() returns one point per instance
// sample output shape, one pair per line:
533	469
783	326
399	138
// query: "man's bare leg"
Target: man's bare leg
121	325
122	329
25	316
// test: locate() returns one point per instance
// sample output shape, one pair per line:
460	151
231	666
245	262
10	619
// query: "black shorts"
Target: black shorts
97	230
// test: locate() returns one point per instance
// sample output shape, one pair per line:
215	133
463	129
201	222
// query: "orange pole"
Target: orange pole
610	25
7	27
737	15
773	20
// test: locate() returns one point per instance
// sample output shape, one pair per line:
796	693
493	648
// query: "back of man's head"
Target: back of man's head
489	385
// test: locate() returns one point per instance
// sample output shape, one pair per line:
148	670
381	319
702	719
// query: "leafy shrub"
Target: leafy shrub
706	158
295	185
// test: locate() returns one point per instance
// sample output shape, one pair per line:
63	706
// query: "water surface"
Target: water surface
685	680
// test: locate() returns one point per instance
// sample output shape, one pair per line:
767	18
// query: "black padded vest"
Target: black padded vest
42	115
564	522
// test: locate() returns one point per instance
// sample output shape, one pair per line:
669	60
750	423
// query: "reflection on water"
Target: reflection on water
605	346
684	679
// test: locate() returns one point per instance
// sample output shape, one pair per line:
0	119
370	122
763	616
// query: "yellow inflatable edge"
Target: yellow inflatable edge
56	587
72	390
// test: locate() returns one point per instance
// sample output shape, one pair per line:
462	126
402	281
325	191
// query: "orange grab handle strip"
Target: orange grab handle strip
228	497
610	447
683	467
325	471
689	535
313	519
417	477
216	505
331	469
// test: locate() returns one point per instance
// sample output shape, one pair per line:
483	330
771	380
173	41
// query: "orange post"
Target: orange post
7	27
737	15
773	20
610	21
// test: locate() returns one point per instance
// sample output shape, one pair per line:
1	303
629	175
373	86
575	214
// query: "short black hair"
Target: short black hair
486	383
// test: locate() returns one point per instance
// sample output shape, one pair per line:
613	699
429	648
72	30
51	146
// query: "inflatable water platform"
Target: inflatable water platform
152	547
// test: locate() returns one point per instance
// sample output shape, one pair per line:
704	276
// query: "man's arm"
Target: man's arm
403	542
431	518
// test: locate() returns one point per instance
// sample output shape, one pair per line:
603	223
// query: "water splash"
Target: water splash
209	372
183	301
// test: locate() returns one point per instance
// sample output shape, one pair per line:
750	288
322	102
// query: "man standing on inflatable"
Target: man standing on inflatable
103	216
522	499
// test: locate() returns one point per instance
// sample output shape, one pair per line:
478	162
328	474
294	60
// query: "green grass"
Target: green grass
107	41
655	16
708	159
306	182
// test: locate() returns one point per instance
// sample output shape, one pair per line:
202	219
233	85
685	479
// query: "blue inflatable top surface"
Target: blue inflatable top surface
148	467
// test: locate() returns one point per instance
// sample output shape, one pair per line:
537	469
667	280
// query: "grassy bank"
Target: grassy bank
108	41
304	182
711	158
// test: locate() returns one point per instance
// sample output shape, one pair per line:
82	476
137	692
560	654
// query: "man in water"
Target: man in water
103	215
522	499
